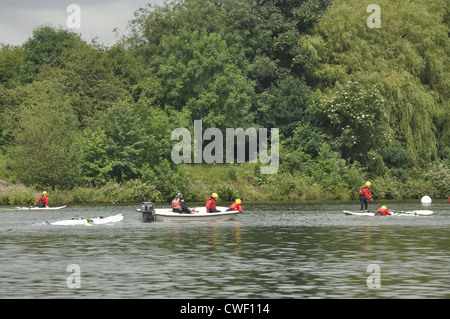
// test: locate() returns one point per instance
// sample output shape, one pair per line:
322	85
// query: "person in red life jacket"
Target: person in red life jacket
42	201
211	204
179	205
364	195
383	211
236	206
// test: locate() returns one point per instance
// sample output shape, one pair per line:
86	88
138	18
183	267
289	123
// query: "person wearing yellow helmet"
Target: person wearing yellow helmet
236	206
383	211
43	200
211	204
364	195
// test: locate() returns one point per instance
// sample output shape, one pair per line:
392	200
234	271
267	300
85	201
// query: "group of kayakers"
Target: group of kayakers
179	205
365	196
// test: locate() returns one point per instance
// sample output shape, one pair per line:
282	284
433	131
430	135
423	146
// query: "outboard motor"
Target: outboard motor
147	211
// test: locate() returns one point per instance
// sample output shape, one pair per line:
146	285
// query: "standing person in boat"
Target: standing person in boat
236	206
211	204
383	211
179	205
42	201
364	195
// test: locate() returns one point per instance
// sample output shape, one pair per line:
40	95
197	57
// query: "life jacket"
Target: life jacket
383	211
210	203
176	203
43	199
366	192
236	206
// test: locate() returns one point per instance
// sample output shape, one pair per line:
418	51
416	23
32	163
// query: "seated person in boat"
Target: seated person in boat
211	204
383	211
179	205
236	206
43	200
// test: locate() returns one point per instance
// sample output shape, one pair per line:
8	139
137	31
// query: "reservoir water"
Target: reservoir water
287	250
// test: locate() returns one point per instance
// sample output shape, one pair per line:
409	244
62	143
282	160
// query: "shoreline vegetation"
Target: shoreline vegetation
347	103
233	181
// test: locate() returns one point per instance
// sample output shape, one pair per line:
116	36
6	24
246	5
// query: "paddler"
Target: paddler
364	195
42	201
179	205
383	211
211	204
236	206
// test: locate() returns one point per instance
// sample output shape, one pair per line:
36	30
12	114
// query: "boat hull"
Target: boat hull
199	215
407	213
86	221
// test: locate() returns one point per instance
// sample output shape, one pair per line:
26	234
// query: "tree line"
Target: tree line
351	102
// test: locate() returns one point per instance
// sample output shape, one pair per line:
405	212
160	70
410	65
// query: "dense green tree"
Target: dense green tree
95	167
11	58
88	75
284	104
406	60
46	47
46	146
195	71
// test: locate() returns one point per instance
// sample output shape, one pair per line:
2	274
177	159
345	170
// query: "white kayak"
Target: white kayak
38	208
199	214
406	213
34	208
86	221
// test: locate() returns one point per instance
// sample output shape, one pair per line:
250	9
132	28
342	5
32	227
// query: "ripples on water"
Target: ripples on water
294	250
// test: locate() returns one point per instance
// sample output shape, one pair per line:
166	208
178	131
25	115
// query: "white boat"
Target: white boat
406	213
86	221
38	208
199	215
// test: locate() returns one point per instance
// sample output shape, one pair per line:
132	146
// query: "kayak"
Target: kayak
86	221
199	214
406	213
35	208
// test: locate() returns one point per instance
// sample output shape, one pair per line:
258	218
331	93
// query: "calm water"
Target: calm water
288	250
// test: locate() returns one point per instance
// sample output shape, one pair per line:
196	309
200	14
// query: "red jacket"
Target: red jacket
210	203
236	206
383	211
43	199
176	203
366	192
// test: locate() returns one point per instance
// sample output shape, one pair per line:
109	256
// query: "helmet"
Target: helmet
214	195
383	207
44	192
238	201
368	183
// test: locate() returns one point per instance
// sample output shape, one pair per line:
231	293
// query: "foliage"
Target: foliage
46	150
352	103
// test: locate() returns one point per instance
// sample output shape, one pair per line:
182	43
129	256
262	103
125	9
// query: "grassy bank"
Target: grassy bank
244	181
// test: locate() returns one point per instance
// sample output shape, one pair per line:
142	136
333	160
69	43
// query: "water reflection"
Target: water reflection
271	251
